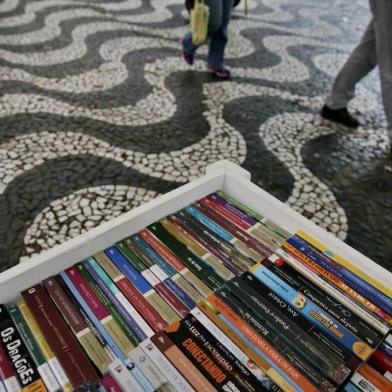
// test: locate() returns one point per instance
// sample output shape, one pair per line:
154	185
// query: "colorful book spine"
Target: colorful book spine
99	316
164	272
217	247
313	331
63	343
372	318
18	355
182	363
7	374
340	260
338	310
109	383
155	276
246	222
250	349
46	350
235	350
151	371
182	235
313	376
296	338
141	284
173	272
115	313
212	359
209	208
279	231
127	310
123	377
313	312
99	310
39	360
165	366
375	378
194	263
198	213
348	277
78	325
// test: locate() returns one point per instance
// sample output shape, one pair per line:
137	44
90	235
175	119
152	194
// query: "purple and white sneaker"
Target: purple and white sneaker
223	73
188	57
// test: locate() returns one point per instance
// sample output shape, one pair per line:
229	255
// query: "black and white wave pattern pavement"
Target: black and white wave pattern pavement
99	114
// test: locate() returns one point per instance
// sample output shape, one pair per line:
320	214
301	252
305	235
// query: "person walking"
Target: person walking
375	48
220	12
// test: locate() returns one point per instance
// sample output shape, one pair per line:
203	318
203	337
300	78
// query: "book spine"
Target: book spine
78	325
336	309
18	355
193	245
28	338
340	260
215	361
2	386
374	319
217	213
165	366
350	387
237	353
195	264
352	280
156	277
142	285
130	314
381	361
152	373
293	336
47	352
123	377
182	363
333	281
178	275
264	349
227	231
249	348
71	279
376	378
109	383
99	310
225	266
162	271
115	313
313	313
7	374
313	377
291	313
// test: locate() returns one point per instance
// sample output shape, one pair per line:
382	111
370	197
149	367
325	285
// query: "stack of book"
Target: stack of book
213	297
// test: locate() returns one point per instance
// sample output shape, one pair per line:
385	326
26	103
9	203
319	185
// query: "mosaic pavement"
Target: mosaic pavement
98	114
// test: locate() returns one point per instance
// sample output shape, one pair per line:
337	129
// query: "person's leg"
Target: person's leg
382	15
214	22
361	61
218	33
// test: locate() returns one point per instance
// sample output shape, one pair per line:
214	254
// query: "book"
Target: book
61	340
47	352
166	367
18	355
313	312
78	325
182	363
41	364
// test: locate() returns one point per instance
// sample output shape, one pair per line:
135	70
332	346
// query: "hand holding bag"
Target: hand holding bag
199	22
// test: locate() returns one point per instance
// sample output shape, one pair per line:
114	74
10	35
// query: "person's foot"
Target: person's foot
186	55
223	73
341	116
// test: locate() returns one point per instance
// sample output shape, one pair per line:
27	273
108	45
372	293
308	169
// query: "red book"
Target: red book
59	337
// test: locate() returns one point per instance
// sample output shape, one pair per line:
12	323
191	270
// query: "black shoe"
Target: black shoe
341	116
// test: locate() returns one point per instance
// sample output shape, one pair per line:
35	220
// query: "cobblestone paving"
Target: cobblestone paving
98	114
